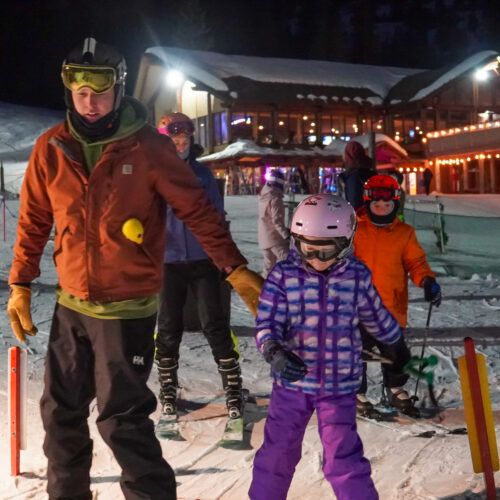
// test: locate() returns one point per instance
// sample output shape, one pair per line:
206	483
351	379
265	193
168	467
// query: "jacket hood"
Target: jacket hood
269	191
355	156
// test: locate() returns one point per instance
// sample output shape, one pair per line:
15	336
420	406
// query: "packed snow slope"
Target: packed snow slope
404	466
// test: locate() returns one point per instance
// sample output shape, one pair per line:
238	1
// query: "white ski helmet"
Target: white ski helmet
328	217
324	215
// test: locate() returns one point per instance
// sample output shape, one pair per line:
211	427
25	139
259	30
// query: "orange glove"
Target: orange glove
248	284
19	311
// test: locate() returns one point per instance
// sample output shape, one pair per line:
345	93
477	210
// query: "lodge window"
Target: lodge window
282	129
472	176
295	128
242	126
398	126
201	131
264	128
351	126
220	128
330	125
456	119
442	120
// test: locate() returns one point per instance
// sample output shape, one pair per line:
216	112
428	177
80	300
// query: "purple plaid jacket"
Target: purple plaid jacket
317	316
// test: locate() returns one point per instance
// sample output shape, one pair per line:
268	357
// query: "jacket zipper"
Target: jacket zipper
322	332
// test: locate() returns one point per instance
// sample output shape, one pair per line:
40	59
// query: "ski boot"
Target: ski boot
401	401
366	409
231	382
167	371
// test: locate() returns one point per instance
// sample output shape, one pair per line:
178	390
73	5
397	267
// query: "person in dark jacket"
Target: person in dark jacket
187	266
102	178
426	181
358	169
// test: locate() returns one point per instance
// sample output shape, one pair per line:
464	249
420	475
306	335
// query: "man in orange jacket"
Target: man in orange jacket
391	251
103	177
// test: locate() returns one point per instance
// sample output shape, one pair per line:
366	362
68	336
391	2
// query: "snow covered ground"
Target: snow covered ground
404	466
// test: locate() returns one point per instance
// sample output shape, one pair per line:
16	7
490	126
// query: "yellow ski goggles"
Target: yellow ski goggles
99	79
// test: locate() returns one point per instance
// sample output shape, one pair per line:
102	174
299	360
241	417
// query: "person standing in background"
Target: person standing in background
358	169
187	266
274	236
426	181
390	249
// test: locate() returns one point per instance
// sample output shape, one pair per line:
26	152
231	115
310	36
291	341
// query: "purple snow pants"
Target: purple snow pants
344	465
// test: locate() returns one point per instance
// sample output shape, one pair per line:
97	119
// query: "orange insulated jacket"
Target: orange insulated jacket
133	178
391	253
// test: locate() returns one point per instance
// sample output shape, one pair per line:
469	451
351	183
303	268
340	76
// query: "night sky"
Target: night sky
36	35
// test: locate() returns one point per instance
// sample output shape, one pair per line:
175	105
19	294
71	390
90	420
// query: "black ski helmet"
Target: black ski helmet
93	53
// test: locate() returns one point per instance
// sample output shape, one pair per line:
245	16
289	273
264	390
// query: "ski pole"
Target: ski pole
423	349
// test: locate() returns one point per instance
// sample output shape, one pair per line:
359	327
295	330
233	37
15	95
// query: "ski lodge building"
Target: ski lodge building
252	113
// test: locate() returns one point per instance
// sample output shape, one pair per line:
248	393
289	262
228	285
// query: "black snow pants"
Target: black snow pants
110	360
204	279
398	353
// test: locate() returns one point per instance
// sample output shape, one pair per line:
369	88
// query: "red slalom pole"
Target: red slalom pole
480	419
15	408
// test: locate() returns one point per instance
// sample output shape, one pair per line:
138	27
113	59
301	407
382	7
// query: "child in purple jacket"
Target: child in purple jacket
308	330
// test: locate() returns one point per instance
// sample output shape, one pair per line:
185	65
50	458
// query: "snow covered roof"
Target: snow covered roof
247	148
420	85
226	73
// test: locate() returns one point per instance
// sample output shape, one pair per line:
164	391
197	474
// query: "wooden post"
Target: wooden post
371	150
210	124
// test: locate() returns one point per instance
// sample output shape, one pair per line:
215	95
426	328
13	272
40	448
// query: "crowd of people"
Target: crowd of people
334	285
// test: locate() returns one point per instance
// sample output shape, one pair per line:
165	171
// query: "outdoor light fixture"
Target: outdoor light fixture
481	74
174	78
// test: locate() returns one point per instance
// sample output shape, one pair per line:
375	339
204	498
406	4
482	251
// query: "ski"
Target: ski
427	433
168	427
440	429
391	417
232	437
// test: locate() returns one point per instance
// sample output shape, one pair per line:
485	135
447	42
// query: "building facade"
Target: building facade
281	103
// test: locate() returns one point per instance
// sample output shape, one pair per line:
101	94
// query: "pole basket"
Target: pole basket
17	405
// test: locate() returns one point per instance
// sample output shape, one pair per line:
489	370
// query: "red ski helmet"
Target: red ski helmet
381	187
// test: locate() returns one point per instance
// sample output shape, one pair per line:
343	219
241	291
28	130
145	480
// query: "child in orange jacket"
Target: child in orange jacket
391	251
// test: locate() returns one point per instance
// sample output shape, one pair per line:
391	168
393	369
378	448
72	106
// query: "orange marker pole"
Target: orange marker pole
15	408
477	399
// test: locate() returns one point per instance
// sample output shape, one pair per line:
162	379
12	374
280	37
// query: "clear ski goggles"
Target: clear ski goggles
381	194
178	128
323	250
99	79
